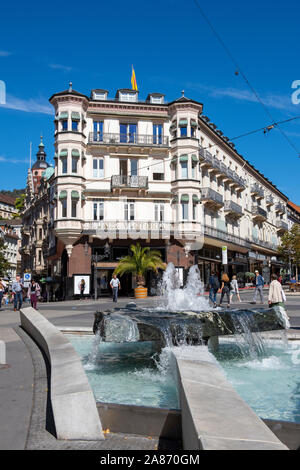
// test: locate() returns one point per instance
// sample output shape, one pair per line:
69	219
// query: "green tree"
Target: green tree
4	264
141	261
19	205
289	250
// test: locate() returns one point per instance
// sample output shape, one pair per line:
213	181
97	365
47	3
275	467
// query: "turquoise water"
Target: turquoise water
130	373
125	373
269	384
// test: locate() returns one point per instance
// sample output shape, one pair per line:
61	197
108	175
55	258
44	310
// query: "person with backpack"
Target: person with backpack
34	292
214	286
259	285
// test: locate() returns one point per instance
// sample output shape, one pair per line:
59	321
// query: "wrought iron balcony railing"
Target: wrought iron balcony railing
125	181
208	194
126	139
279	207
257	190
281	225
233	207
259	212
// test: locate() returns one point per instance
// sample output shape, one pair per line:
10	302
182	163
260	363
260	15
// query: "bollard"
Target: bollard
2	353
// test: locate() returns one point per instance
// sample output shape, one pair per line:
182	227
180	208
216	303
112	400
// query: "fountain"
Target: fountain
184	316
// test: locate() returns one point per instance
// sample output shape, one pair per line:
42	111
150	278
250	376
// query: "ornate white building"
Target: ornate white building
159	173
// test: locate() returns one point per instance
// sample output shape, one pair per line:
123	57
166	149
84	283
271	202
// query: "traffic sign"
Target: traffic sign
27	277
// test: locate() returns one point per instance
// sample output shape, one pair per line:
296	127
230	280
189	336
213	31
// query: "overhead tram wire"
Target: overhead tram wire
107	178
239	71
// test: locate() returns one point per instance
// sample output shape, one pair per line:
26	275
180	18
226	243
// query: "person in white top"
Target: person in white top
276	293
115	285
234	288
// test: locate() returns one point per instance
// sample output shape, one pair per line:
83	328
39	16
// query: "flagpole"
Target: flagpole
30	156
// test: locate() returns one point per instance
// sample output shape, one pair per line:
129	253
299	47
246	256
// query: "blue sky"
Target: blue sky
93	44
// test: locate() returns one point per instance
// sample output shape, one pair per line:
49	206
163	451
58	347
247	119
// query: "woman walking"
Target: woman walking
234	288
34	291
225	289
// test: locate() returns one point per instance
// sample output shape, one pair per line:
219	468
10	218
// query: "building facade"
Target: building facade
10	231
7	207
158	173
36	217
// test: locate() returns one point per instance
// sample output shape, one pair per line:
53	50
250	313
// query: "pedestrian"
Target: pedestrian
234	288
280	279
276	293
115	285
2	289
225	289
214	286
259	285
34	291
17	288
82	288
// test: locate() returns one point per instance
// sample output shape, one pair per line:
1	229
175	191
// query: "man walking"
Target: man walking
17	288
214	286
115	285
259	284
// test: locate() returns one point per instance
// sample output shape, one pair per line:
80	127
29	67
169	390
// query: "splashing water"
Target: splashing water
191	297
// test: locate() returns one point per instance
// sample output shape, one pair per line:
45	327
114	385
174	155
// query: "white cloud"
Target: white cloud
13	160
28	106
4	53
272	100
64	68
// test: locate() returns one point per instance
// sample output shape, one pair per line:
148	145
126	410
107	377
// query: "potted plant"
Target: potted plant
249	277
141	261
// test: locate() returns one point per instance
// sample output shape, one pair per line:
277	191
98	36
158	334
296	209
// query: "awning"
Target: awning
183	158
75	153
63	115
175	200
63	153
75	116
183	122
196	199
184	198
194	158
63	194
75	195
193	122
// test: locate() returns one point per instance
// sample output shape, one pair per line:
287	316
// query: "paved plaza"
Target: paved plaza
23	380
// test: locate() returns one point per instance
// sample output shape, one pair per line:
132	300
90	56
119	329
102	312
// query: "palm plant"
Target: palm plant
141	261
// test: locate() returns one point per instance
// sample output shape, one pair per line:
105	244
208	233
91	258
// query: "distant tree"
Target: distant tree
19	205
12	193
4	264
289	250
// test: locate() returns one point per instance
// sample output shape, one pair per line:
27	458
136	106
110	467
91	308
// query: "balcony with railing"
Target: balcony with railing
104	138
269	200
259	214
225	236
257	191
279	207
211	198
281	226
129	181
232	209
208	160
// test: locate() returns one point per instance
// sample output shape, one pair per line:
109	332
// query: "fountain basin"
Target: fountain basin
172	328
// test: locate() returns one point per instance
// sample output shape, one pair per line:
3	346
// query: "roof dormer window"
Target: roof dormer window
127	95
99	95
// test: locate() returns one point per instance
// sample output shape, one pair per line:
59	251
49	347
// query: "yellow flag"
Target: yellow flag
133	80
